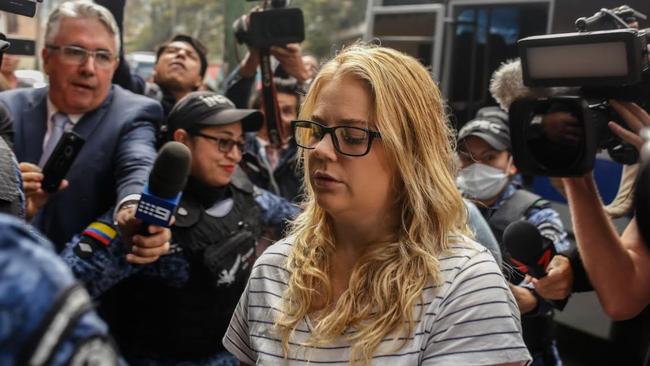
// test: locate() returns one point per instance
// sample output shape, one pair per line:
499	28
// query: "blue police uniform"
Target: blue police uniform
102	265
46	317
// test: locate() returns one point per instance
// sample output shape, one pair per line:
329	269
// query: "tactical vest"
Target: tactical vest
513	209
190	321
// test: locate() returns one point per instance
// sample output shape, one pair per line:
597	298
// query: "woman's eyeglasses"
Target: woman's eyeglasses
224	145
351	141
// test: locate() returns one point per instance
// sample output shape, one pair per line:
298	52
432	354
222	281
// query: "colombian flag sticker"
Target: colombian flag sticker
100	232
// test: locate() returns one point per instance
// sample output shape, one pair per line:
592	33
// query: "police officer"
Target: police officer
176	309
489	177
47	317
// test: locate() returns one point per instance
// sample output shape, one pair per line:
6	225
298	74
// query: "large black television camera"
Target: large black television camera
17	46
276	25
606	59
21	7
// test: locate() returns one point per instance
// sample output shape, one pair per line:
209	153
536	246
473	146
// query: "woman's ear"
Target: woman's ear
181	136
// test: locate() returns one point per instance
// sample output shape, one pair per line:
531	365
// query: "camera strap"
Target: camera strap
269	96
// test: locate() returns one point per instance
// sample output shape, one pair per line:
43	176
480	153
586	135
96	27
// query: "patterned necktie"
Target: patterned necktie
60	121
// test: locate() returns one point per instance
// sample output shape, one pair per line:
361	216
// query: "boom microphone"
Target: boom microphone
167	179
507	85
528	250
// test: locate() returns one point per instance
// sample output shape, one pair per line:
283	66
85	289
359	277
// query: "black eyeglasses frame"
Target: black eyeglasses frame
332	132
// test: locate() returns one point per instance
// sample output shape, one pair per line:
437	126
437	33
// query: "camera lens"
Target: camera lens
555	135
68	152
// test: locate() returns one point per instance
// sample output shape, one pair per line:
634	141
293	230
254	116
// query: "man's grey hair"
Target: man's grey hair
81	9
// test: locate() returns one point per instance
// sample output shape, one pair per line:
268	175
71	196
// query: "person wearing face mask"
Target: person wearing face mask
489	177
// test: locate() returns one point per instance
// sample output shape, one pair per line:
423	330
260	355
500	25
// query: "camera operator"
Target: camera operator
239	84
618	266
270	168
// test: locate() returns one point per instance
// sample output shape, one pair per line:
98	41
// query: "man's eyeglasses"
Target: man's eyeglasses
173	50
74	55
351	141
224	145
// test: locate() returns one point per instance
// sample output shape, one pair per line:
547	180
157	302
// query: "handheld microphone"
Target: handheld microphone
162	193
528	250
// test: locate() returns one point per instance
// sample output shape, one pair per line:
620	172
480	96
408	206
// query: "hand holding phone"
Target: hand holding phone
58	164
35	197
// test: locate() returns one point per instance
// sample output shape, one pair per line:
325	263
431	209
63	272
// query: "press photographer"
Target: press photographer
270	158
275	31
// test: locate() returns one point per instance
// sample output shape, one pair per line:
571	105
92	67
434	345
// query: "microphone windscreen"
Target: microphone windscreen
507	85
170	170
524	242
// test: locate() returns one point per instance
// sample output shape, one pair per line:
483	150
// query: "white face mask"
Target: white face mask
481	182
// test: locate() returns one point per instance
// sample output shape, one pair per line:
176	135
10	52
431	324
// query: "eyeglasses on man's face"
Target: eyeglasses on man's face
74	55
224	145
347	140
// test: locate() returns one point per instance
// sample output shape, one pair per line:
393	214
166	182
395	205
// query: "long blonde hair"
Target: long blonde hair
387	281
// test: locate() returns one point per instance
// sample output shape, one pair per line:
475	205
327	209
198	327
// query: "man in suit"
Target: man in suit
80	56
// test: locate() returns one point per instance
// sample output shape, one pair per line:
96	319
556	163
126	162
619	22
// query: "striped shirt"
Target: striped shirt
470	319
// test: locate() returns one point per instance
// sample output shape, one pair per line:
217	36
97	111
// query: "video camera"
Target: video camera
21	7
18	46
274	26
606	59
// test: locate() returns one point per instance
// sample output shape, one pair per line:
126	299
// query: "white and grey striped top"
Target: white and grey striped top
471	319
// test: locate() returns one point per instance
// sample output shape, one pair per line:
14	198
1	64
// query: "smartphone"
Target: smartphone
58	164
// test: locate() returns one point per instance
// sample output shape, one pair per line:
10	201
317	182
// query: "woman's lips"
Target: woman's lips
324	180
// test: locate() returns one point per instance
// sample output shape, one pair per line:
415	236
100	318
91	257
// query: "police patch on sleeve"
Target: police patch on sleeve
95	351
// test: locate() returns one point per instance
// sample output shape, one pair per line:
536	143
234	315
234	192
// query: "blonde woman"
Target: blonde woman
377	269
